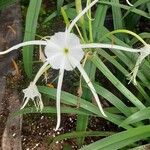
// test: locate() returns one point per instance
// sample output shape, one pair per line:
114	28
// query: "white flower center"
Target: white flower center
66	50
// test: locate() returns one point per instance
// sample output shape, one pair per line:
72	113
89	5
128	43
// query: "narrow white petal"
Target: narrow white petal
60	79
40	72
129	3
80	15
110	46
41	103
144	52
89	83
36	42
26	100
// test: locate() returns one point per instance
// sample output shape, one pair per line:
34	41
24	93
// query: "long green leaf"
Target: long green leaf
99	19
113	99
30	30
117	16
137	11
82	120
59	5
100	65
81	134
5	3
55	13
138	116
121	68
49	109
68	98
136	4
120	140
129	60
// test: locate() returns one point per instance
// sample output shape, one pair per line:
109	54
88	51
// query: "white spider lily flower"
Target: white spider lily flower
64	52
144	52
32	93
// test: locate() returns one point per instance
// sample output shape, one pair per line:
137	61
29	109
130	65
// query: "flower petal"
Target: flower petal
31	92
36	42
110	46
52	48
144	52
129	3
89	83
26	100
81	14
59	39
60	79
40	72
72	40
55	61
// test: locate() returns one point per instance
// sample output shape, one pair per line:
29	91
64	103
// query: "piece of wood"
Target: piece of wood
11	139
10	34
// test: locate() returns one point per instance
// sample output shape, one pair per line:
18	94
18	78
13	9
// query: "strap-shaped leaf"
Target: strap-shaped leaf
138	116
4	3
121	139
30	30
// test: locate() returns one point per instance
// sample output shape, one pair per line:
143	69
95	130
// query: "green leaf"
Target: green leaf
117	17
101	66
136	4
81	134
59	5
55	13
122	69
82	120
5	3
30	30
148	7
70	99
129	59
99	19
120	140
49	109
137	11
138	116
112	99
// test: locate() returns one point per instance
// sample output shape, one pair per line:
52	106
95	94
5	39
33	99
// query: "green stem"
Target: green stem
90	23
78	4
